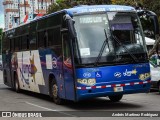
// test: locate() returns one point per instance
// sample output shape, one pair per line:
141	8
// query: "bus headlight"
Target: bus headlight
89	82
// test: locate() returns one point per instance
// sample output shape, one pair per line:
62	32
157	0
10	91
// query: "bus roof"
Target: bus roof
90	9
98	8
85	9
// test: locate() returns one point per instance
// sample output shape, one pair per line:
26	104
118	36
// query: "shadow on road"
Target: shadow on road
91	104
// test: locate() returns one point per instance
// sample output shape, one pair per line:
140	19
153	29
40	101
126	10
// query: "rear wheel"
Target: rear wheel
54	93
5	76
16	84
115	98
159	87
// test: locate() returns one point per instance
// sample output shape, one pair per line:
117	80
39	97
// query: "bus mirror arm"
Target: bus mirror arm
70	24
153	17
156	25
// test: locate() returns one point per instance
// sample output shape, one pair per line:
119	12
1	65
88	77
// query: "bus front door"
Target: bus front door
67	68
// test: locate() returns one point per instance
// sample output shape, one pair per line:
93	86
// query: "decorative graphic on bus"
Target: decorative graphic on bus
54	62
32	68
129	73
144	76
28	70
14	61
23	78
117	74
86	74
68	63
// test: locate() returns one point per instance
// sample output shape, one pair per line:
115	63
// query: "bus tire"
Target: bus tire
16	84
115	98
54	93
159	87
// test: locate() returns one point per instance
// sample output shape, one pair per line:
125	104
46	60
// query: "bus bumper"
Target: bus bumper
108	90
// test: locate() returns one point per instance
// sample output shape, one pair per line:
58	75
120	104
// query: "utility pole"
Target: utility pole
33	6
38	5
46	5
42	4
19	12
25	6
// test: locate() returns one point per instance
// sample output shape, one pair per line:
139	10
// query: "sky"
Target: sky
1	15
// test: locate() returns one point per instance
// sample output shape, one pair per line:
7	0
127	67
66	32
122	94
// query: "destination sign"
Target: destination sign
91	19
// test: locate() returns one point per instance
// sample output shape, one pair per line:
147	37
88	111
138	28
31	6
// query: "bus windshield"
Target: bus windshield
115	37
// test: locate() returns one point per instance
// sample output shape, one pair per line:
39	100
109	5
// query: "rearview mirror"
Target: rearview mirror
70	24
149	22
155	22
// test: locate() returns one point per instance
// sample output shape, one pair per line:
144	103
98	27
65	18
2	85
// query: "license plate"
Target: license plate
118	89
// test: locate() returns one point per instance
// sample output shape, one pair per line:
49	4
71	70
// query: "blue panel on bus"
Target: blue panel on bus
133	78
114	73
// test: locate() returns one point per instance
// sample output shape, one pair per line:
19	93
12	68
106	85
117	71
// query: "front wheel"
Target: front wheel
54	93
115	98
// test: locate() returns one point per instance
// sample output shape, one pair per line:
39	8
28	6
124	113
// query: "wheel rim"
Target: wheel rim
55	91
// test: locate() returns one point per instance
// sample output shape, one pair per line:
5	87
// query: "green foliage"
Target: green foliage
153	5
127	2
59	5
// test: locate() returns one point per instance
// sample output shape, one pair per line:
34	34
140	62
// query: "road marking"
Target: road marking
49	109
40	106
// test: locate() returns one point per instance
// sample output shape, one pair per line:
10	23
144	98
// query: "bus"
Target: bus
79	53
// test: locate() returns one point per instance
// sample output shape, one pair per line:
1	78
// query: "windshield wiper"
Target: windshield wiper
102	48
132	56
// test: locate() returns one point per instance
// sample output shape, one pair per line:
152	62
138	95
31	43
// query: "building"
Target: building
21	11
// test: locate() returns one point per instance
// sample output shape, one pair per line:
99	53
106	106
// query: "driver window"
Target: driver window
66	51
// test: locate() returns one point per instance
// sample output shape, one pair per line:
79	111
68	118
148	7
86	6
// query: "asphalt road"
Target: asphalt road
28	101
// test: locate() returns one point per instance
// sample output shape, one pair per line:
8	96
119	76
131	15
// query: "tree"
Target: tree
127	2
153	5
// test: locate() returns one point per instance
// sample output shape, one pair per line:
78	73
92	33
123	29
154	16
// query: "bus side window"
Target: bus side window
24	42
42	39
54	37
12	45
6	45
57	36
17	44
33	41
50	37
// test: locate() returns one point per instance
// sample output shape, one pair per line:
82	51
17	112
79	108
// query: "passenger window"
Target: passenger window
12	45
17	44
42	39
54	37
33	41
50	37
24	42
57	36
